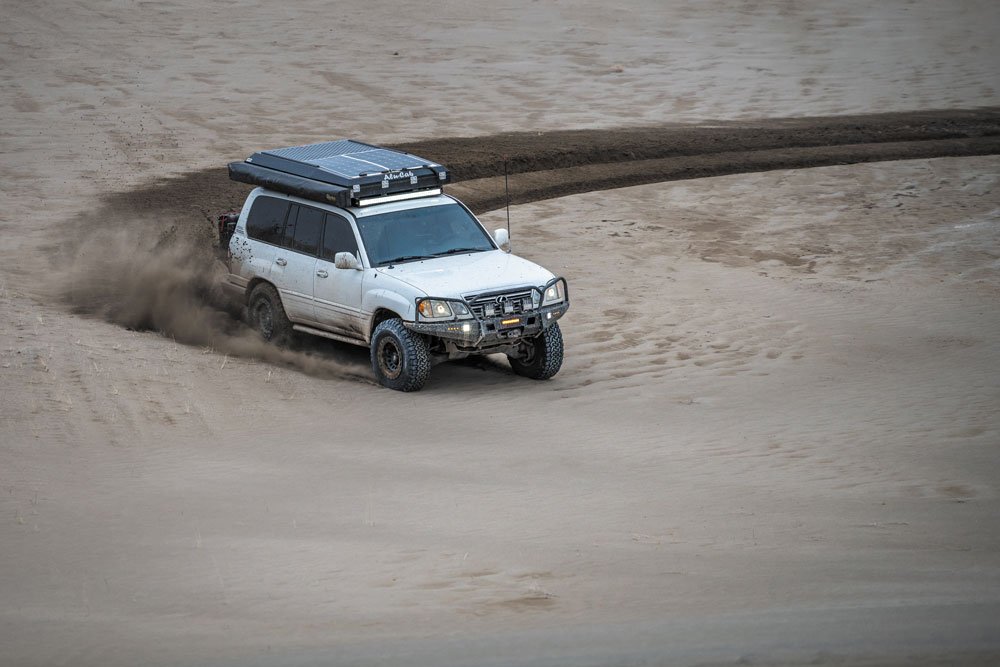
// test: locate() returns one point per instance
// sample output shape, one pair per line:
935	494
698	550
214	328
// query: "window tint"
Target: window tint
418	233
304	228
339	238
266	219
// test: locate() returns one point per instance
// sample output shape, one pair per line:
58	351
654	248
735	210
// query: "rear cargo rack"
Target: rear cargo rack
344	172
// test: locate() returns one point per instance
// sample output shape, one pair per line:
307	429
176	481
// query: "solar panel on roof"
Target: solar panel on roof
349	158
321	170
320	150
343	165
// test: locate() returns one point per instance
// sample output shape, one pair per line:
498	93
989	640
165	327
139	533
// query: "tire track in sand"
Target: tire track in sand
575	161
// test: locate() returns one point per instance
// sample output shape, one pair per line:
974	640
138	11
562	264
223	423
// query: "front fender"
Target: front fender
386	299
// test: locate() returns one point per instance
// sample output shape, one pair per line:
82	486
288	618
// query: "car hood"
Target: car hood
458	275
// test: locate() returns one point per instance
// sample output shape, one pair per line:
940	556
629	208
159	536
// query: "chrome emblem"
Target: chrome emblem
501	300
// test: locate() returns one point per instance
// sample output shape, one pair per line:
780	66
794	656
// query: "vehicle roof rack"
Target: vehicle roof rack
343	172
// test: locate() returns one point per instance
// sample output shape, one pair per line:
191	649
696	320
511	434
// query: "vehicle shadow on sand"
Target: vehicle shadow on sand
475	371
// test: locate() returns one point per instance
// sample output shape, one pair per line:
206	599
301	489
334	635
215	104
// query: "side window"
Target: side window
339	237
266	219
304	229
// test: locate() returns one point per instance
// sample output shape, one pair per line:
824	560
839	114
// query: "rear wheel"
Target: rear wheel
540	357
267	315
400	358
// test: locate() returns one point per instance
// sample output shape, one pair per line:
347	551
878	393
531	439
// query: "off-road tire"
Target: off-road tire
543	355
266	314
400	358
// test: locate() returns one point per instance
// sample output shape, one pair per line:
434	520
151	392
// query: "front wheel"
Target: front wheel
540	357
400	358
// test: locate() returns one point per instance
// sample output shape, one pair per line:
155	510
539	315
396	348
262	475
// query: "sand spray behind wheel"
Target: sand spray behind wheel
133	272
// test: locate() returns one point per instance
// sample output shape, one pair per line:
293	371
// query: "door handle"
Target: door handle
322	274
281	261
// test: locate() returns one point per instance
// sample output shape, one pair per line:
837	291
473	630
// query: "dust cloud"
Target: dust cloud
169	281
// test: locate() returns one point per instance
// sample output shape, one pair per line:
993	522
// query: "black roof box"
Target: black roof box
344	172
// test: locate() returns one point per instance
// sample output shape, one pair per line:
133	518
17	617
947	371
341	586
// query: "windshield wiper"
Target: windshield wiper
406	258
456	251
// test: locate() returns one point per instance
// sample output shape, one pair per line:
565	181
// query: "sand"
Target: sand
774	439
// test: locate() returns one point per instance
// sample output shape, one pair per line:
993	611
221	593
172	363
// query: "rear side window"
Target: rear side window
304	229
339	237
267	219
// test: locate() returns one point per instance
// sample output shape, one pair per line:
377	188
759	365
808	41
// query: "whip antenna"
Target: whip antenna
506	191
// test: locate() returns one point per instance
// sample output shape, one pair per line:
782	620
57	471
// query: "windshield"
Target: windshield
421	233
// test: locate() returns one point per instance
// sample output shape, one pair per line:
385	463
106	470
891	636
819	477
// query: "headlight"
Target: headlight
439	310
431	309
554	293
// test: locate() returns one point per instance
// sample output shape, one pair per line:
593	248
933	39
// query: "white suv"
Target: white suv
359	244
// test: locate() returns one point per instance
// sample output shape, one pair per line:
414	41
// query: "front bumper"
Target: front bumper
492	331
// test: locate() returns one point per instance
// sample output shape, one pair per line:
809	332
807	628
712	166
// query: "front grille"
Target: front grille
515	302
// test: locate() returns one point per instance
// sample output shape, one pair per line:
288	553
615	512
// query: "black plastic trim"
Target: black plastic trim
290	184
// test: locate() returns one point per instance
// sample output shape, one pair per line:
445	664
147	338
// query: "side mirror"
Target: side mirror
502	238
345	260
